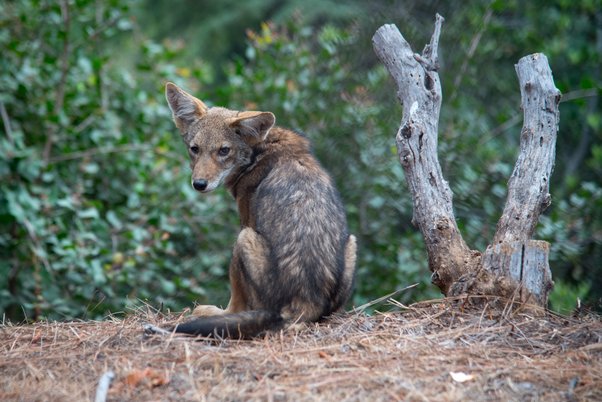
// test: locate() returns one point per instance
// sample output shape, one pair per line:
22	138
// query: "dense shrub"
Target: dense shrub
96	209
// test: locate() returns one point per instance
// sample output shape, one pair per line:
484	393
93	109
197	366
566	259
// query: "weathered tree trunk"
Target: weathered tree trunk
513	266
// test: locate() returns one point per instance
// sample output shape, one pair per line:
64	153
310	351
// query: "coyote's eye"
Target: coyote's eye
194	149
223	151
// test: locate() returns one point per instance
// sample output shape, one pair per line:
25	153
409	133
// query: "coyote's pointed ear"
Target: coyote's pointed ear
185	108
253	125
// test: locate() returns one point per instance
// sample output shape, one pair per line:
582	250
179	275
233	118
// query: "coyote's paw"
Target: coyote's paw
207	310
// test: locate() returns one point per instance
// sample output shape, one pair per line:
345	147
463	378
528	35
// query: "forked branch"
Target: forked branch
514	262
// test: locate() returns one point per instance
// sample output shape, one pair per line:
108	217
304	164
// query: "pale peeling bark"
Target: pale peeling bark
514	265
419	92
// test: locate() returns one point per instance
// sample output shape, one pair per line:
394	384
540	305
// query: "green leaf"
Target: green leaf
89	213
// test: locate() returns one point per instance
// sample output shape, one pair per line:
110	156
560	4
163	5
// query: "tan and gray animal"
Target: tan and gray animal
294	260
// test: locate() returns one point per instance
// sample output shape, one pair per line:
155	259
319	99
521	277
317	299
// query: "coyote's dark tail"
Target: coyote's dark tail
241	325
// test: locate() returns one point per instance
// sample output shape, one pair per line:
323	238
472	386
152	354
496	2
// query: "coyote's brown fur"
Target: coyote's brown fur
294	259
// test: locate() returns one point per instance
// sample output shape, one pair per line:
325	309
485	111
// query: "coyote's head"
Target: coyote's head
220	141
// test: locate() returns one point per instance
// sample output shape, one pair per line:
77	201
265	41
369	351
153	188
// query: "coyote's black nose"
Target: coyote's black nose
199	184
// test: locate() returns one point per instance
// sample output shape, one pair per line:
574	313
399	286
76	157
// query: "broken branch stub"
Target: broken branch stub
528	187
455	268
529	184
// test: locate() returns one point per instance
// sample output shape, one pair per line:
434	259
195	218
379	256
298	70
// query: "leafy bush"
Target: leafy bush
96	209
565	298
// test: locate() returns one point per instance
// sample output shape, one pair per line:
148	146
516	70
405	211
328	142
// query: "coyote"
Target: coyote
294	260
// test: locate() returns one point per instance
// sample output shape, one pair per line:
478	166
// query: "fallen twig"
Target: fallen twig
103	386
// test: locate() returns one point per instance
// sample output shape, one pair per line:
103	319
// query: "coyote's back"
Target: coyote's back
298	211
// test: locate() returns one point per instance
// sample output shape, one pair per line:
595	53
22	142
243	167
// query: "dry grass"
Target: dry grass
405	355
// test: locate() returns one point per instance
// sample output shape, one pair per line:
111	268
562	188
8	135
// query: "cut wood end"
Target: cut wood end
539	244
384	30
537	61
533	57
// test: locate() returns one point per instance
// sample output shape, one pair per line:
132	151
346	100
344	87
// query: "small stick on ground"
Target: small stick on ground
103	386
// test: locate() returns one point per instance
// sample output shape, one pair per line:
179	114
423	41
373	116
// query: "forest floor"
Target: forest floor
431	351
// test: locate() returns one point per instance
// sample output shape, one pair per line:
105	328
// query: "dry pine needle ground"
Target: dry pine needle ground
435	351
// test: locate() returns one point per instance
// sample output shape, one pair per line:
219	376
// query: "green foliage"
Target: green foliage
565	296
96	209
214	30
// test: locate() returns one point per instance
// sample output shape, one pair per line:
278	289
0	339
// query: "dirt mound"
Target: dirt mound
428	351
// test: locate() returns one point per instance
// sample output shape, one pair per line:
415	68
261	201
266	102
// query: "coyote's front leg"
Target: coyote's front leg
205	310
250	254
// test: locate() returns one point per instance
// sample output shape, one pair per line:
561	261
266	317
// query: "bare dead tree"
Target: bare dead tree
514	265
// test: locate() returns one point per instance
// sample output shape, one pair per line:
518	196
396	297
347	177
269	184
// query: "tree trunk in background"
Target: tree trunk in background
513	266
